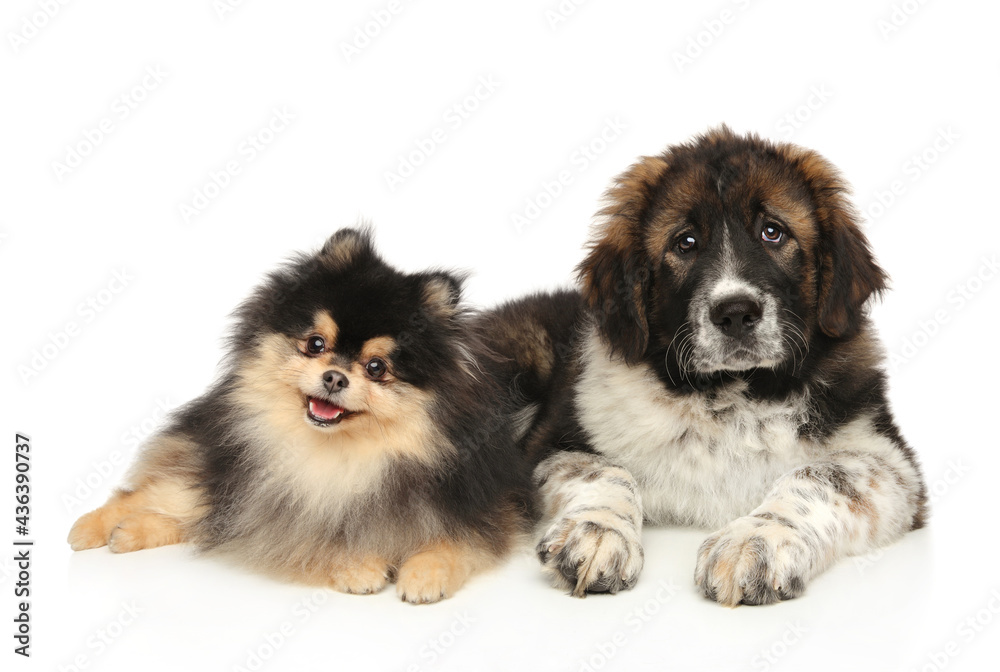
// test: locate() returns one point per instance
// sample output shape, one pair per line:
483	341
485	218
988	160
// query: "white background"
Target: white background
869	98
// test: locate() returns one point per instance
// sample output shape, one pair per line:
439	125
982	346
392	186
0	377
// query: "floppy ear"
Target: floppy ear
442	293
615	275
848	274
346	246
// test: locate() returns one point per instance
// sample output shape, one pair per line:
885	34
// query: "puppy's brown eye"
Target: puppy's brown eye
376	368
686	243
315	345
771	233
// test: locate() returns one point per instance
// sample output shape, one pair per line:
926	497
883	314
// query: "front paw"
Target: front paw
432	575
753	560
592	552
90	531
364	577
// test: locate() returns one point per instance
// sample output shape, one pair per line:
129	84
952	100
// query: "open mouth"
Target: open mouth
324	413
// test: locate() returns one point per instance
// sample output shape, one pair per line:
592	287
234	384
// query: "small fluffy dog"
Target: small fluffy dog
718	370
349	440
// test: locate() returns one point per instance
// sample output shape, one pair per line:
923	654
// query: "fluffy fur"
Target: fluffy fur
349	440
718	369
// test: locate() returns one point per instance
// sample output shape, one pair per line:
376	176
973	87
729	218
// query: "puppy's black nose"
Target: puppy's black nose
334	381
736	317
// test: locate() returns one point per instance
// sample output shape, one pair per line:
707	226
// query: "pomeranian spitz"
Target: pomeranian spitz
350	440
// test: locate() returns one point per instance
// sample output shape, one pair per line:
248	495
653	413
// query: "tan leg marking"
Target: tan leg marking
93	530
130	521
144	530
363	577
438	571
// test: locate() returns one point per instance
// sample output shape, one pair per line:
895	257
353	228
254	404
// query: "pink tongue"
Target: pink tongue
324	410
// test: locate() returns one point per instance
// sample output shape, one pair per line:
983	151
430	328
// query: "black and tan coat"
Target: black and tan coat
351	439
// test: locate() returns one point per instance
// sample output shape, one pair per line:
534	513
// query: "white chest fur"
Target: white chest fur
698	460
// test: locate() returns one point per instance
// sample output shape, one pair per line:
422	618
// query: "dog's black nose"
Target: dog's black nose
736	317
334	381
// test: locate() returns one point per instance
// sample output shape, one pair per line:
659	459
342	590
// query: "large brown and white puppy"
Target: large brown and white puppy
718	370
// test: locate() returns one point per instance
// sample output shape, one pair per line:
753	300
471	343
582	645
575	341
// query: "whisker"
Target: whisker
381	427
671	345
796	337
686	354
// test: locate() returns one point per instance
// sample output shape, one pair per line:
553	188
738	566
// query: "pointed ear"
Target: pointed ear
615	275
346	246
848	273
442	293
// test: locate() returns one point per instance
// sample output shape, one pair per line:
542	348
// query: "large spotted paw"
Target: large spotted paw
592	551
757	559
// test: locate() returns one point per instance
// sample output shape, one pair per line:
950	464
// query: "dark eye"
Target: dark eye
686	243
315	345
772	233
376	368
